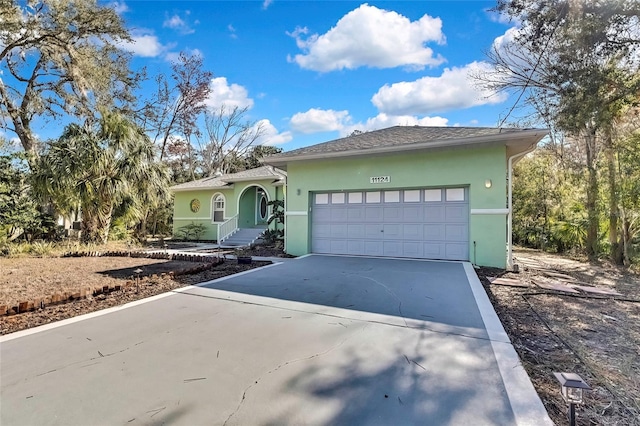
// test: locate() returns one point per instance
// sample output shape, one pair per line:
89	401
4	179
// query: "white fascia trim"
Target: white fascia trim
192	218
201	188
495	139
247	179
490	211
296	213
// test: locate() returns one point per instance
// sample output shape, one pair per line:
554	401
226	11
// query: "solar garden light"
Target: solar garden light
137	272
572	390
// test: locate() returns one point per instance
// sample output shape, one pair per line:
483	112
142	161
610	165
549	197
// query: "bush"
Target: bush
192	231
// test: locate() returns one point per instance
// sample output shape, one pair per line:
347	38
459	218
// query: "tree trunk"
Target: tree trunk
593	219
615	252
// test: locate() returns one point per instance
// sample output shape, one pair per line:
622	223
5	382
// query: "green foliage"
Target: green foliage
192	231
277	216
18	210
105	168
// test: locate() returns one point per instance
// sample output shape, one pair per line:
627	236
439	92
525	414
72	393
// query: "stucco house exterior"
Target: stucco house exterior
414	192
224	204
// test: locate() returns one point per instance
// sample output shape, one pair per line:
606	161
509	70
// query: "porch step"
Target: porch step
243	237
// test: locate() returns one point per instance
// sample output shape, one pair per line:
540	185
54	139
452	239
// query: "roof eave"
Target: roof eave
523	138
200	188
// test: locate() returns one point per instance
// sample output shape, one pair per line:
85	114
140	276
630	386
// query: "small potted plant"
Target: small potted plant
243	255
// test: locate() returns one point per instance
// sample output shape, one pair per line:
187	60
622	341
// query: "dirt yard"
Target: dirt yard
31	278
595	335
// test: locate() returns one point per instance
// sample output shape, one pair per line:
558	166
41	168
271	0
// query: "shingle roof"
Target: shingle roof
224	181
393	136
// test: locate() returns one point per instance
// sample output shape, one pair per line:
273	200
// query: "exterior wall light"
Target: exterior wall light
572	392
488	183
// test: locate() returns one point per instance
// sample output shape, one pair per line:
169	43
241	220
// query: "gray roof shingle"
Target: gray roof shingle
219	182
393	136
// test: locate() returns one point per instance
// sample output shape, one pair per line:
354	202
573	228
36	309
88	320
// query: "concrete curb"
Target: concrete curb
525	402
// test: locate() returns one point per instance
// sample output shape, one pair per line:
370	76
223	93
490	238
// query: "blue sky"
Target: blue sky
314	71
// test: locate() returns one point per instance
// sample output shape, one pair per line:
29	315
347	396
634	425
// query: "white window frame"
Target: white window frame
214	208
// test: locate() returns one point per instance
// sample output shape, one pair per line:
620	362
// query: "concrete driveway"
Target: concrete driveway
316	340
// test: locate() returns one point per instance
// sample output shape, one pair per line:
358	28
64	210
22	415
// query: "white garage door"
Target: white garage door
415	223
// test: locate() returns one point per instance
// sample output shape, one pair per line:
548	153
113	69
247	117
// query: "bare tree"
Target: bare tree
229	136
176	105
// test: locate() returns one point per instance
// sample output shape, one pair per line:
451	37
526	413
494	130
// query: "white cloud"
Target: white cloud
382	121
266	4
271	136
454	89
179	24
368	36
144	44
119	7
232	31
230	96
319	120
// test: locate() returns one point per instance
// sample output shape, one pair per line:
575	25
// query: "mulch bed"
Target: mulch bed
154	284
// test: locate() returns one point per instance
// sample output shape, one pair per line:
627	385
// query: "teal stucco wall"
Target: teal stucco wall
469	167
182	214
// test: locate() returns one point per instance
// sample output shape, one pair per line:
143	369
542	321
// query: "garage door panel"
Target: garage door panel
321	214
392	231
321	230
392	214
412	249
355	247
434	213
373	248
339	230
457	214
432	250
392	249
321	245
372	231
373	214
400	223
435	232
355	214
338	214
456	251
355	230
412	231
412	213
456	232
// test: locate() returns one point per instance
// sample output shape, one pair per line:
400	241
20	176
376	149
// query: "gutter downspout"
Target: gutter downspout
284	199
510	205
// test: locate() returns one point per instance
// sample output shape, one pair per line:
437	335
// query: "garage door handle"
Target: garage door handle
382	230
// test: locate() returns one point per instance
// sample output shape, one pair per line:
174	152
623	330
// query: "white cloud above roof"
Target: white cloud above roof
271	136
382	121
144	43
371	37
453	89
230	95
181	25
319	120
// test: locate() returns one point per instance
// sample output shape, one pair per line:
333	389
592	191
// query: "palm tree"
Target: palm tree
99	167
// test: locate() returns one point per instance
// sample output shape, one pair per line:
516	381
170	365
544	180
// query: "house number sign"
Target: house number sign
380	179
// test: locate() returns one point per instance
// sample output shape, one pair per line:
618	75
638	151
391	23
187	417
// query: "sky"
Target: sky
313	71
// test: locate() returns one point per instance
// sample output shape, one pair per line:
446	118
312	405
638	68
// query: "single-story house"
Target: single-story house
415	192
226	203
412	192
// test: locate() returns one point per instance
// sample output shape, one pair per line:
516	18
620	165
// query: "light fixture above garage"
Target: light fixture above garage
488	183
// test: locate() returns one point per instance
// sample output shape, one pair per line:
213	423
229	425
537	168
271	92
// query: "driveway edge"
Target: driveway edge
525	402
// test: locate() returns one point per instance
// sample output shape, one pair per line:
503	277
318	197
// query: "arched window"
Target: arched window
218	208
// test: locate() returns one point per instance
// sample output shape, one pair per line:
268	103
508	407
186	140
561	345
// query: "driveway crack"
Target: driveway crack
391	292
284	364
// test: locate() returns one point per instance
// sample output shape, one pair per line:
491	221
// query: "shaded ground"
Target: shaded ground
597	337
28	278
